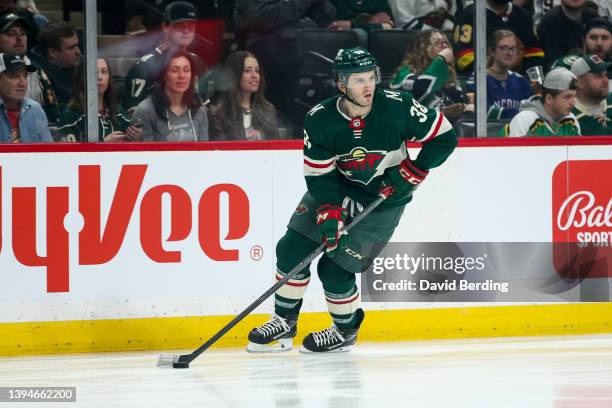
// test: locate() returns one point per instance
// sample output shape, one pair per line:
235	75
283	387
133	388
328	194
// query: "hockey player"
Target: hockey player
354	145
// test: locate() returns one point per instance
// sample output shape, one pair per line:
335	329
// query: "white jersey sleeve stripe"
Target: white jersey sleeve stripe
440	125
318	167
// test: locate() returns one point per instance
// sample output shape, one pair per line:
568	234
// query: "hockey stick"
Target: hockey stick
183	360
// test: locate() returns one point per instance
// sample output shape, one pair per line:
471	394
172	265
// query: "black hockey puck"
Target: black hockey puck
180	365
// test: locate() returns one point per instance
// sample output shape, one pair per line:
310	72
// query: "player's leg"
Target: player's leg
342	297
277	334
337	274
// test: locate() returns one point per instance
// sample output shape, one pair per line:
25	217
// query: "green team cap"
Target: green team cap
354	60
565	62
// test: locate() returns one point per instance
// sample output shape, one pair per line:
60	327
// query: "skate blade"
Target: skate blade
278	346
344	349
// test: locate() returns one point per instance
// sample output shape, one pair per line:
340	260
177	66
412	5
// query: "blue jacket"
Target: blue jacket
33	123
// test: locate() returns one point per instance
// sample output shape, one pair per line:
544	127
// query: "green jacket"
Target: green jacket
595	121
74	122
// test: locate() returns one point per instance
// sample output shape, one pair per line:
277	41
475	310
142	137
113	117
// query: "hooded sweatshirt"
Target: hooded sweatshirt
533	120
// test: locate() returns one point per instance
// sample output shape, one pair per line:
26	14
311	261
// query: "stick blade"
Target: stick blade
167	360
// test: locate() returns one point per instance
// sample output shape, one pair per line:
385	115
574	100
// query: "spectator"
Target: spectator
423	14
362	16
551	114
428	72
30	7
242	112
562	29
22	120
593	103
270	28
173	111
112	118
179	31
14	40
598	38
501	14
148	15
505	88
58	55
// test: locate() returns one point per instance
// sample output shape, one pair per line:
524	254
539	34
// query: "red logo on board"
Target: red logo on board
582	218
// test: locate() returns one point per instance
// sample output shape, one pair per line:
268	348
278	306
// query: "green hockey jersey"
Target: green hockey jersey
425	87
348	157
595	120
533	120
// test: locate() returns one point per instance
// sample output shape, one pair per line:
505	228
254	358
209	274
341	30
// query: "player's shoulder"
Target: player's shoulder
392	101
323	110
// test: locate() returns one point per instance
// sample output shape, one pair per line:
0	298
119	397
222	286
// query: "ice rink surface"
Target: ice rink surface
558	372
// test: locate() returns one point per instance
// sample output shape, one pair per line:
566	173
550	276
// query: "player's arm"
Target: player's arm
322	181
320	170
434	132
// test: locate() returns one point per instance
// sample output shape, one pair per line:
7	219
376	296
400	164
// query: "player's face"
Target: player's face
14	39
563	103
504	55
361	87
594	85
598	41
13	85
181	34
178	75
103	76
249	82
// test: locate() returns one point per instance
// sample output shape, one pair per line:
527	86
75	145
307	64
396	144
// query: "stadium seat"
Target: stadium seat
316	51
467	128
389	48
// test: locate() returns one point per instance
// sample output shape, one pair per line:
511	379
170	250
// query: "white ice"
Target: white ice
555	372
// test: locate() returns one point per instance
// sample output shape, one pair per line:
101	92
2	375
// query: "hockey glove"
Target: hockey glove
404	178
330	219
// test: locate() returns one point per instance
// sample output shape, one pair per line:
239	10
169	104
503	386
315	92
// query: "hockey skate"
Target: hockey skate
274	336
333	339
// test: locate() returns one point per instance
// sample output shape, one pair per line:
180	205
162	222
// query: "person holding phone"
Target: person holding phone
113	123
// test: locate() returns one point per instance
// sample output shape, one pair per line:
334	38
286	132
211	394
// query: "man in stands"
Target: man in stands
179	27
22	120
551	114
58	55
14	39
593	104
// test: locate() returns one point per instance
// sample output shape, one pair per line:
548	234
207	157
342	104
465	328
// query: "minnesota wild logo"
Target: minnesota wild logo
360	165
301	209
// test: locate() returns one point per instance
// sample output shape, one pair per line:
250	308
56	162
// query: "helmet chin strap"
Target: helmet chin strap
346	96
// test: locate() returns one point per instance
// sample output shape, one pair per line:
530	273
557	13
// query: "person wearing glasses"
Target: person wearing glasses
505	87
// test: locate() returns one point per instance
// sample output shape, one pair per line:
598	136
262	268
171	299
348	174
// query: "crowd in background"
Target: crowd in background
548	65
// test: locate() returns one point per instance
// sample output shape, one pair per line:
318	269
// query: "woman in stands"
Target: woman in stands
173	111
240	110
112	120
428	72
505	88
